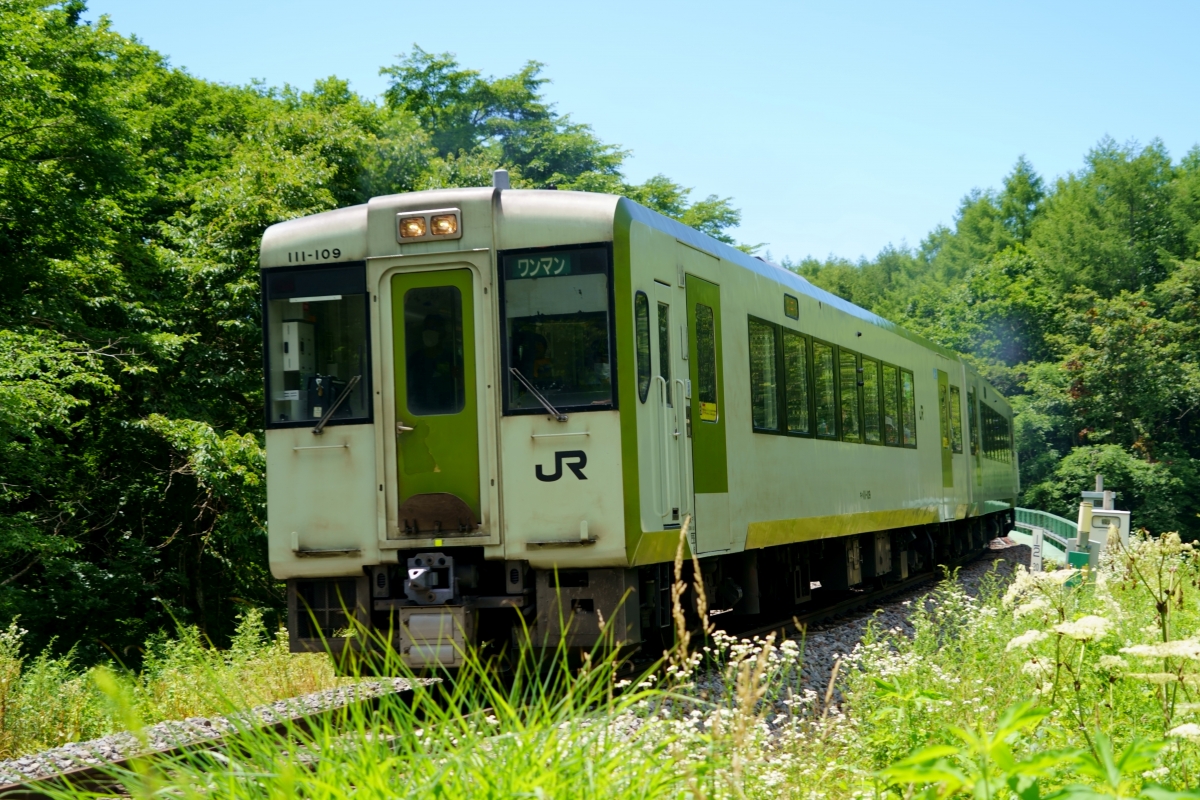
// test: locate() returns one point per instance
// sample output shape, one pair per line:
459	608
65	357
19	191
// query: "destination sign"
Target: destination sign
540	266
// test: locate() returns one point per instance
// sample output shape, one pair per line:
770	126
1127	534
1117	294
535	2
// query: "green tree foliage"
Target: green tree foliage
132	200
1080	302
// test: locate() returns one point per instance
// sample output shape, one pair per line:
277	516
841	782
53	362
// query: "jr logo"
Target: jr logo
577	456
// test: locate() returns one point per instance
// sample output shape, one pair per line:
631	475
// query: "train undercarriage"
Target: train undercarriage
433	606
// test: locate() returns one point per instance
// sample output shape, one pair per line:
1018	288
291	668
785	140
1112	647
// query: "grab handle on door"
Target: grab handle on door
685	473
402	428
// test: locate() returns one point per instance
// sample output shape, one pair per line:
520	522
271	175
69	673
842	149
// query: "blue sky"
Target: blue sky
837	128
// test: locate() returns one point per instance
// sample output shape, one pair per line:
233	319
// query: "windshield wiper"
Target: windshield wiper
558	415
320	428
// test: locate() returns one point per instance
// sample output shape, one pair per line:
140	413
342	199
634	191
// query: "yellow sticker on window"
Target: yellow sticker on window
708	412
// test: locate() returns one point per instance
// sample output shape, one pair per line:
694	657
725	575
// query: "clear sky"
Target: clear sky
837	128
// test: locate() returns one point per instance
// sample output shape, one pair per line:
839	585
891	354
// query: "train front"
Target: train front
443	440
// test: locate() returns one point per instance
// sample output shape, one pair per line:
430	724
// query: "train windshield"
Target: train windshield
317	356
557	329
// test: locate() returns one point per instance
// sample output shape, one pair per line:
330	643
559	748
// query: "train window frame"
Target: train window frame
809	398
858	403
814	342
777	343
905	407
899	419
956	425
614	352
641	344
366	384
862	371
972	422
662	321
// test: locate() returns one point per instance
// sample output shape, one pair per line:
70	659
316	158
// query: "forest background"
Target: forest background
133	196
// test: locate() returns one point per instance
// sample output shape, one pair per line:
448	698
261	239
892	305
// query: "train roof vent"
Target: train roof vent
500	179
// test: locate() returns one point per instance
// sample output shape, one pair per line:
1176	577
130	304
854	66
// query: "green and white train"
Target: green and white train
484	403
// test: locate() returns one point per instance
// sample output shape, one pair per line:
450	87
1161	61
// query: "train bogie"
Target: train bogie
492	409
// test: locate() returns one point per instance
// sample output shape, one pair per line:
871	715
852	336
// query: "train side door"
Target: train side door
437	424
705	416
669	393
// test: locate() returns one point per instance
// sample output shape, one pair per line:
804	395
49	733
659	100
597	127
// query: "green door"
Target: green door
707	407
437	430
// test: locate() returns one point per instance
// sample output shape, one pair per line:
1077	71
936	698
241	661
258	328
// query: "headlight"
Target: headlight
444	225
413	227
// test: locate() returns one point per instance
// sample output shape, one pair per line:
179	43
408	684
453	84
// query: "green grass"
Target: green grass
1092	703
47	701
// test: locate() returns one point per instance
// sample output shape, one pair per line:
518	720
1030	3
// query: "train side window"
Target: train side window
891	405
848	394
908	408
795	360
764	382
956	432
824	378
706	366
664	346
972	423
872	434
641	326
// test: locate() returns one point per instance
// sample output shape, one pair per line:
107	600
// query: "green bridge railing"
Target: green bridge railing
1059	527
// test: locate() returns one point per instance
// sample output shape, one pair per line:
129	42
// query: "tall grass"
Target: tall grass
1063	685
46	701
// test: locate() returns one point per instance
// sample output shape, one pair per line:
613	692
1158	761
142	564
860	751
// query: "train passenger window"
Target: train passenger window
870	383
706	365
433	344
795	362
764	384
664	346
956	437
972	424
641	327
315	330
849	383
908	408
891	406
557	329
824	388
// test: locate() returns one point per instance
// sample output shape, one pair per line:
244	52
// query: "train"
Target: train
493	409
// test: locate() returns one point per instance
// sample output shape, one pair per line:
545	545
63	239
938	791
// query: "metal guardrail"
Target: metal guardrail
1057	529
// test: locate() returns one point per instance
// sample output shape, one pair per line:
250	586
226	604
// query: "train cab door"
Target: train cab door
668	393
705	416
437	424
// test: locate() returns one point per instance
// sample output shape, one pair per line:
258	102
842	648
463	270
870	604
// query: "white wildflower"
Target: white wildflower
1155	677
1180	648
1085	628
1189	730
1112	664
1026	639
1037	668
1037	605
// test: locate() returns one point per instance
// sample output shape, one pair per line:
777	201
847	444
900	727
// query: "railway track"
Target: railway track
783	628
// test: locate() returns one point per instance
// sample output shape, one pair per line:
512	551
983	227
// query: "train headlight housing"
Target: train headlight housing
444	225
428	225
412	227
